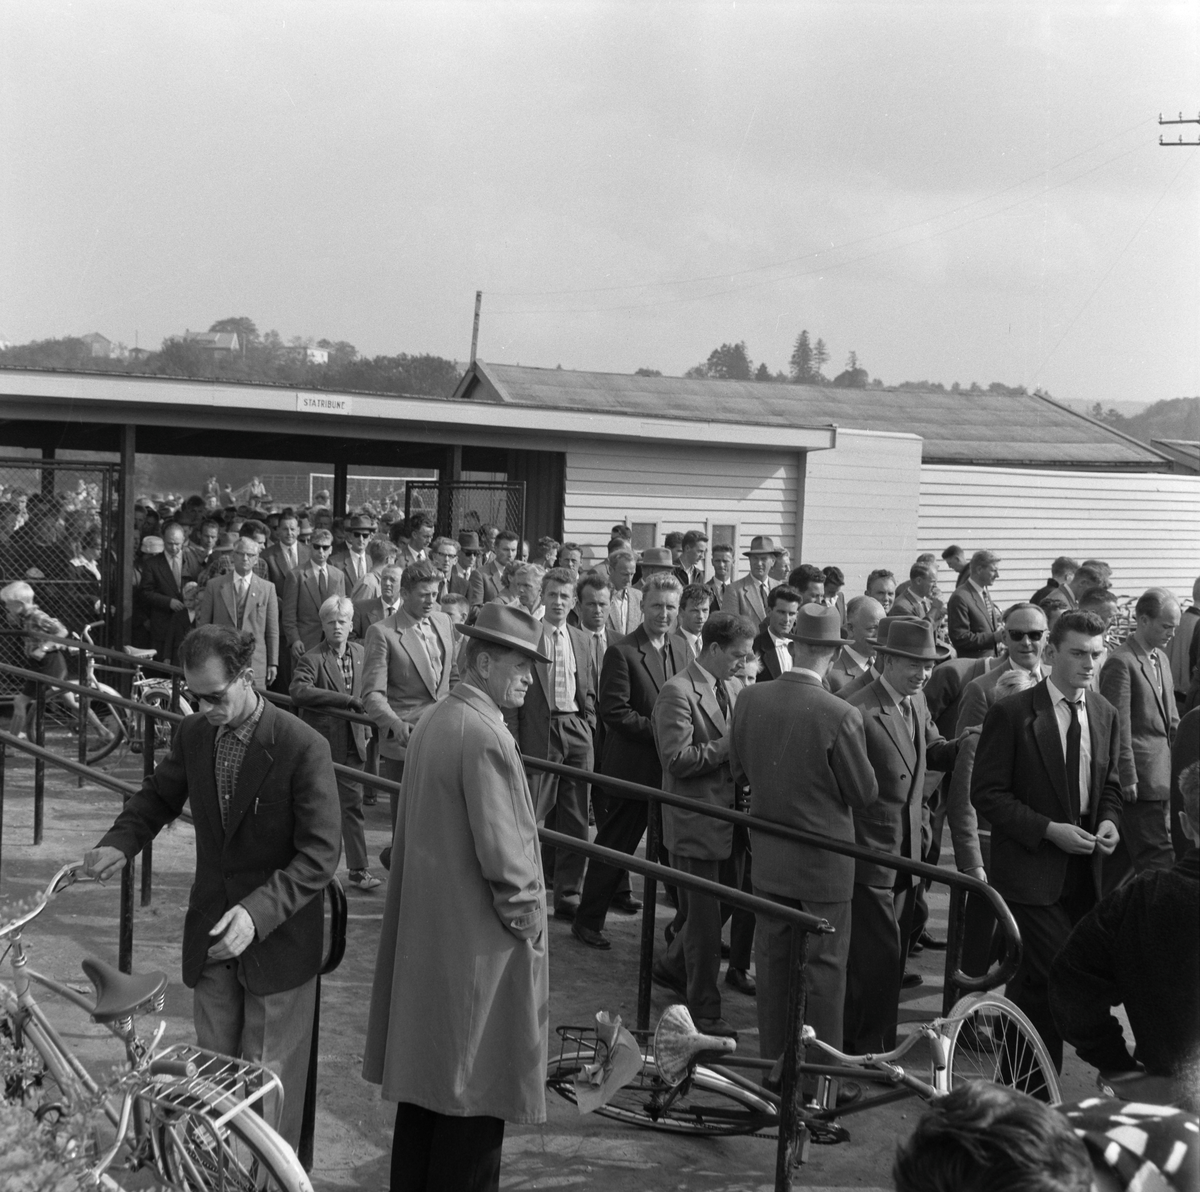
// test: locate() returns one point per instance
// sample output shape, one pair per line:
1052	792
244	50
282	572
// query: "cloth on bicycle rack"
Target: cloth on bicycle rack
618	1061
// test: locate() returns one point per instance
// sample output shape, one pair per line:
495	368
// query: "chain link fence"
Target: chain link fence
468	504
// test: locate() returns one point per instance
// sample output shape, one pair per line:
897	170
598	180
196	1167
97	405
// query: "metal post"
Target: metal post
955	937
39	765
341	485
81	721
649	898
3	767
793	1134
308	1120
176	688
149	738
125	939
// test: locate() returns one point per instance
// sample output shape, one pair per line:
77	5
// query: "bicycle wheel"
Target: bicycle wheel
989	1038
244	1155
30	1079
706	1104
114	725
156	697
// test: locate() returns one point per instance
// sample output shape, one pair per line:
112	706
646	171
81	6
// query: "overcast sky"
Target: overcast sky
955	191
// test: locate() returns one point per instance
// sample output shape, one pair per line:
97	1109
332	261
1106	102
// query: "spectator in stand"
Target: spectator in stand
625	604
1084	580
330	677
246	603
917	598
1062	571
1136	680
163	577
694	604
307	589
570	556
955	558
747	597
881	586
863	615
690	569
1054	604
1180	651
773	646
286	553
809	582
381	553
971	616
504	552
382	606
420	535
722	576
354	560
835	581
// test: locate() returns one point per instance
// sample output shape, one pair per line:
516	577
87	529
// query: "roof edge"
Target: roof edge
1112	430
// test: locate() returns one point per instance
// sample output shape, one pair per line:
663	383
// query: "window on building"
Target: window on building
723	536
645	534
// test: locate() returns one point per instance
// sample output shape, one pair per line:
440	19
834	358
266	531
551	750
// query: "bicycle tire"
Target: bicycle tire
117	723
989	1038
157	698
711	1106
245	1155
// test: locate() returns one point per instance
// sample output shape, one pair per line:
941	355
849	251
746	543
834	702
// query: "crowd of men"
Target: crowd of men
1052	752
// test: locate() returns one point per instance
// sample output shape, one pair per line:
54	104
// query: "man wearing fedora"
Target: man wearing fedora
802	752
353	558
466	575
460	1003
656	560
747	597
902	741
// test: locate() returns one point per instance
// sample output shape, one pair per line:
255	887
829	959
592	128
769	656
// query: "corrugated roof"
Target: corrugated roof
958	428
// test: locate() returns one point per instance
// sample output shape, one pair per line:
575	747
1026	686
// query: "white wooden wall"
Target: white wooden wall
681	487
1146	525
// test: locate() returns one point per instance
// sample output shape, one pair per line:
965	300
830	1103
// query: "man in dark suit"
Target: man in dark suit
722	576
625	601
1136	680
902	741
773	645
1023	636
466	575
691	731
690	568
747	597
635	669
352	558
163	578
802	752
306	589
694	610
379	608
265	810
916	599
286	553
331	677
971	617
556	723
863	615
1047	779
1062	571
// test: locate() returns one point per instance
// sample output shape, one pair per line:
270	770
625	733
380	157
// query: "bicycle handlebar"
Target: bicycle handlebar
71	874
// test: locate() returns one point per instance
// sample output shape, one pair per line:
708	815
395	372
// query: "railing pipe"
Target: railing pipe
149	740
39	764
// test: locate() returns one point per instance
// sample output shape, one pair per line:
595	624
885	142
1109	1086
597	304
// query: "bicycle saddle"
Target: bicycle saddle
118	993
677	1043
138	652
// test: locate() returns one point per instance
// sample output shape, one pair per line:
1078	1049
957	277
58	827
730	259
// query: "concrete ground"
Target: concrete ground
353	1126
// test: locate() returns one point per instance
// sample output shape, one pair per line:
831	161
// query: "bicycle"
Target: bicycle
984	1037
182	1112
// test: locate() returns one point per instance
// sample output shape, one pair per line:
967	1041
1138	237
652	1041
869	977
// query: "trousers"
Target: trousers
433	1152
882	918
623	827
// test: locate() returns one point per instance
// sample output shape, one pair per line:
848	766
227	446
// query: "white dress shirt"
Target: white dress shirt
1062	713
563	674
862	661
783	652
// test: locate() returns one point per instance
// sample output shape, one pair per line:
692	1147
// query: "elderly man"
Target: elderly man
382	606
461	1000
331	677
264	805
773	645
625	601
917	599
881	586
243	601
863	615
747	597
305	590
1136	680
1023	634
656	560
971	616
163	577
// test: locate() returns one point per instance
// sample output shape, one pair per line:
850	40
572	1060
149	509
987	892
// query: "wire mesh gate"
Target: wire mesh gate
468	504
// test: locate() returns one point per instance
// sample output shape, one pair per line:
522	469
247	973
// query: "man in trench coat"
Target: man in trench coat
460	1003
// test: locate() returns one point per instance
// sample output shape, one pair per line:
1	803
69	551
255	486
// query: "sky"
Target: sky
955	191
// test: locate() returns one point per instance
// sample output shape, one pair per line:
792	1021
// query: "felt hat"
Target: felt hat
304	526
762	544
152	544
508	625
908	637
360	521
818	625
657	556
885	625
469	540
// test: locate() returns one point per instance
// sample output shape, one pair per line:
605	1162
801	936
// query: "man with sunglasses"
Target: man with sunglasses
265	807
353	558
306	589
1023	635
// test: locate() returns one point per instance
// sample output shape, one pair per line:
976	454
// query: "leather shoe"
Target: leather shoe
593	939
625	903
741	980
715	1026
663	976
385	857
911	980
928	941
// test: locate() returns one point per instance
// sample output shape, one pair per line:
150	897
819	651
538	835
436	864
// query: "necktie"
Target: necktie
906	710
177	571
1156	672
598	649
291	557
563	698
1074	746
668	660
432	648
763	589
322	585
243	586
723	700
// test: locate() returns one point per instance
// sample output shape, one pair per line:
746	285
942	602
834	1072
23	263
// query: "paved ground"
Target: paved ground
353	1127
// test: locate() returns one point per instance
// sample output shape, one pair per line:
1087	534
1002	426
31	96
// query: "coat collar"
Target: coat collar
255	767
1147	668
890	717
704	685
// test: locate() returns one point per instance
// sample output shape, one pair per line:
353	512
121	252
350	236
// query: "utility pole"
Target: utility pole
475	329
1181	141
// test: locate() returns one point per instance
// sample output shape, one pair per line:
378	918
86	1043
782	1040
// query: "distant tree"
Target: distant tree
876	383
781	378
762	373
647	372
697	372
340	352
247	332
852	362
820	358
955	388
730	362
69	352
179	357
975	388
802	360
852	378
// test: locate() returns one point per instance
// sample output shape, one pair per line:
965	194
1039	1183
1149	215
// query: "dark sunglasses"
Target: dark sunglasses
1019	635
322	546
361	533
470	554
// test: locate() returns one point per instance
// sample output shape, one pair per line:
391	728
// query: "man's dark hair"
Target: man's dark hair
622	530
983	1138
800	577
1063	564
235	650
1078	620
722	548
785	592
692	537
1086	577
1152	602
922	568
558	575
566	546
1020	606
723	629
694	594
616	544
507	536
593	579
834	575
1098	597
951	551
251	527
674	540
418	573
419	519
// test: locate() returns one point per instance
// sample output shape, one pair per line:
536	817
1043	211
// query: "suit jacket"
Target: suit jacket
366	588
687	576
764	647
683	640
1019	784
979	695
717	588
341	558
859	683
630	681
398	682
533	716
366	613
803	753
910	605
300	614
1148	720
158	589
218	606
971	623
692	736
744	598
469	584
842	673
943	693
317	684
616	627
278	854
278	567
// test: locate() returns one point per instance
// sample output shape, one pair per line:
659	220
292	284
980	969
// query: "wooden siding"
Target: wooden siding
860	505
680	488
1147	526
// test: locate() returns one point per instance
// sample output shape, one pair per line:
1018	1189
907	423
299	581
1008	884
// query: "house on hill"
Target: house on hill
98	345
220	343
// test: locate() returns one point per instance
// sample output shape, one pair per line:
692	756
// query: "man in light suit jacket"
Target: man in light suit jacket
243	601
331	677
625	603
863	614
691	730
1137	681
902	741
1047	779
306	589
747	597
802	752
971	617
379	608
285	554
409	666
556	722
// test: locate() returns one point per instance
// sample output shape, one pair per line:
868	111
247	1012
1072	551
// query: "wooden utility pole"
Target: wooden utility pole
475	329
